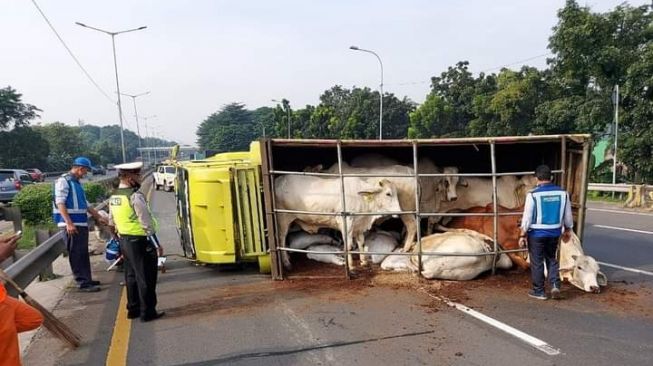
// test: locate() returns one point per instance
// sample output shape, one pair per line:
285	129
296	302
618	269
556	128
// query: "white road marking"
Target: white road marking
535	342
620	212
640	271
624	229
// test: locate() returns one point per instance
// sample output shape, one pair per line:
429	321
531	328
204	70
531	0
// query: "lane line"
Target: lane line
624	229
640	271
620	212
535	342
117	354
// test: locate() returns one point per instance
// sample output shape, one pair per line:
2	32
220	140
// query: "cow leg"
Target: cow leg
518	260
411	231
284	221
360	241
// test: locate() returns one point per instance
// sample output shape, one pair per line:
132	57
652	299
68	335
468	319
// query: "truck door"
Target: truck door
249	212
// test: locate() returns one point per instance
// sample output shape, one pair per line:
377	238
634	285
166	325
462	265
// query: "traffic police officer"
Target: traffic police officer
134	224
547	215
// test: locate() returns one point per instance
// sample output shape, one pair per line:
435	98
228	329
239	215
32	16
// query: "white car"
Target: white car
164	177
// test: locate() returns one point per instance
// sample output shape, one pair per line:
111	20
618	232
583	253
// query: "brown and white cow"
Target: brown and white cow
316	194
508	228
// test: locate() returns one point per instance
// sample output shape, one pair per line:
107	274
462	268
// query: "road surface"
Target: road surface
238	317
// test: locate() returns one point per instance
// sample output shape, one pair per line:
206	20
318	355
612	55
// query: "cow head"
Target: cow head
450	182
525	184
382	197
585	274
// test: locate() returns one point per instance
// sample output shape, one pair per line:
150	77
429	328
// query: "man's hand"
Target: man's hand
566	235
71	229
523	243
160	250
8	246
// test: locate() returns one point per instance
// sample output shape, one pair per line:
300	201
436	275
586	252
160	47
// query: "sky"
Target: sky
197	56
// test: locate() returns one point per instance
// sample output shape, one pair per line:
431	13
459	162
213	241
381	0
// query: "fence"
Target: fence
638	195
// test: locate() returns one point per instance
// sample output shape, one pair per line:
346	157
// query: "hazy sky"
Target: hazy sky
196	56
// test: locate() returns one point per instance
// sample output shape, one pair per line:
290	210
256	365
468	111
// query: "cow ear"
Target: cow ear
601	279
384	183
574	257
463	182
369	192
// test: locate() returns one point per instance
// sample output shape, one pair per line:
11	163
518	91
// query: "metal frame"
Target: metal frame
496	252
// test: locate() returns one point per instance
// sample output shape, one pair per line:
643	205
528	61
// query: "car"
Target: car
98	170
36	175
11	182
164	177
111	167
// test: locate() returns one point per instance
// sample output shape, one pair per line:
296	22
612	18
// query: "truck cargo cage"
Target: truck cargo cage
567	155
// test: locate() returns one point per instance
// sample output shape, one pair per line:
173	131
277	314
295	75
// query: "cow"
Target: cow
331	258
579	269
397	263
473	192
429	200
508	228
459	268
316	194
302	240
379	241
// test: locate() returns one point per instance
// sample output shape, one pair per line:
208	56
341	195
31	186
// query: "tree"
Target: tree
13	110
230	129
23	148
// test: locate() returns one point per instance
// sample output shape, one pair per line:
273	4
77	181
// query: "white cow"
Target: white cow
405	191
457	268
302	240
331	258
315	194
579	269
381	242
397	263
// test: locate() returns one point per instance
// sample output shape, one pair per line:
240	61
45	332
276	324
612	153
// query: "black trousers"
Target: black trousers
80	263
543	250
140	274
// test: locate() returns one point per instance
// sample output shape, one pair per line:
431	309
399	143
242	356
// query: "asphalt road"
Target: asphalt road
239	317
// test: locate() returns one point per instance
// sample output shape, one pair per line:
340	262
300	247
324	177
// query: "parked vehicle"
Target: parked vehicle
164	177
36	175
111	167
98	170
11	182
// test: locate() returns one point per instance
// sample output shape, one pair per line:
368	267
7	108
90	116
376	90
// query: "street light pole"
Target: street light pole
355	48
616	133
147	134
138	130
115	65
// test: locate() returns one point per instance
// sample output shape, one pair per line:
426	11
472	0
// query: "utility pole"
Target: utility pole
615	99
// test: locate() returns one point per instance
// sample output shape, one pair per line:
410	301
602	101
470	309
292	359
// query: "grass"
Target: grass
28	240
607	197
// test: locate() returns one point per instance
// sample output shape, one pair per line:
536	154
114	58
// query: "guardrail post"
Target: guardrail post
47	274
13	214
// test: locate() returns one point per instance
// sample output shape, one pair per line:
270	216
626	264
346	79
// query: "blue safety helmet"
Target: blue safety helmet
112	250
83	162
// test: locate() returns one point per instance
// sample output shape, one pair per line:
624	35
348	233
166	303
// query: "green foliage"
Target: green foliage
23	147
35	201
13	110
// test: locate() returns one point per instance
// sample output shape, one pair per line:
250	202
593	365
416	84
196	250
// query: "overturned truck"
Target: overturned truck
490	158
228	211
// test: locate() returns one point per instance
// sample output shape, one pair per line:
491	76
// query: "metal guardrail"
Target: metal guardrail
28	267
639	195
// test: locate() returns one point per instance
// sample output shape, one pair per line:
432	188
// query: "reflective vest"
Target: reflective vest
76	204
124	216
549	203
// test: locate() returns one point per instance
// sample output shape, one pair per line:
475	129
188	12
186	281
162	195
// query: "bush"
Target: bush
35	201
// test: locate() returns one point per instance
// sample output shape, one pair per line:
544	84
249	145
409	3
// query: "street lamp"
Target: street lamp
287	105
115	65
355	48
138	131
147	135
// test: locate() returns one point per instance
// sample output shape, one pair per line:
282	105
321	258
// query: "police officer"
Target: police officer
547	216
70	212
134	224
